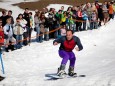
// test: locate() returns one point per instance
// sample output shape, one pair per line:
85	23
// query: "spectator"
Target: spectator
31	26
94	20
79	20
1	42
85	18
3	17
111	11
105	13
8	31
51	22
10	15
26	17
100	15
19	29
37	23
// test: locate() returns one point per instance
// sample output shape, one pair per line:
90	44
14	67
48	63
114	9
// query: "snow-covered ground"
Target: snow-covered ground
28	66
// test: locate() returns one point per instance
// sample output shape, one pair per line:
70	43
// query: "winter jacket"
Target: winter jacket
3	20
20	27
68	45
36	21
111	9
26	17
8	30
84	15
1	36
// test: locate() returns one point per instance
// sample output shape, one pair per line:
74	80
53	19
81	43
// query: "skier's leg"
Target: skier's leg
72	64
72	59
64	55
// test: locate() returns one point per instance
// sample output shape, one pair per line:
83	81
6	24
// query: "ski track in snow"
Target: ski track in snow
28	66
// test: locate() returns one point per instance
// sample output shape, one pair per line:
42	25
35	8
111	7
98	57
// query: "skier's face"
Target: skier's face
69	35
8	21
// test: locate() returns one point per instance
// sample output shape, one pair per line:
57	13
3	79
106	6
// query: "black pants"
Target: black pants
111	16
51	35
79	24
29	34
25	36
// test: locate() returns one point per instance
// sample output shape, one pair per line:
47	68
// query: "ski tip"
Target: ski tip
82	76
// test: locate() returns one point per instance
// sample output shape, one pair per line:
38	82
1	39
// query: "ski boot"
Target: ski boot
1	78
61	71
71	72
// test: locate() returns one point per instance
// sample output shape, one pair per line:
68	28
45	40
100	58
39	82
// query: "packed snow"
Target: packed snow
28	66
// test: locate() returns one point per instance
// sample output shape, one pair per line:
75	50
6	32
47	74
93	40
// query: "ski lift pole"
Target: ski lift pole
2	63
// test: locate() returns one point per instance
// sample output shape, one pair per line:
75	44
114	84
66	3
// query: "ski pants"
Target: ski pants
67	56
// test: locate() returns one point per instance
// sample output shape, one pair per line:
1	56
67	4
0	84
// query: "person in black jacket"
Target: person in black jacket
26	17
3	17
51	23
10	15
100	15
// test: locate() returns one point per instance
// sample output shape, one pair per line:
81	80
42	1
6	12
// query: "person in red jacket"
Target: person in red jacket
1	42
68	43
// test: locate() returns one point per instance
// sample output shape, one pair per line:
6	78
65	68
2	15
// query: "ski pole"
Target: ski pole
2	63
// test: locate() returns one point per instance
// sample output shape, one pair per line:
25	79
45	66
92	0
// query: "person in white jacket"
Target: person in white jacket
8	31
19	29
37	23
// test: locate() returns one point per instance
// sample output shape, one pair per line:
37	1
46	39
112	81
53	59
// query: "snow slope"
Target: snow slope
28	66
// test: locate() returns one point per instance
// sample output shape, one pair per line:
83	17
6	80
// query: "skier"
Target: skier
68	43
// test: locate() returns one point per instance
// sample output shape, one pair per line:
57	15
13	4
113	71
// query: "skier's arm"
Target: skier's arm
78	42
57	41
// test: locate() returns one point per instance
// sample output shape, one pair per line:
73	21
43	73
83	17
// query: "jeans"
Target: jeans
84	25
46	35
37	34
93	25
19	41
25	36
56	33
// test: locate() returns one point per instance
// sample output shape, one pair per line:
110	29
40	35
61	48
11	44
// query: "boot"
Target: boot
61	71
6	49
1	78
12	48
71	72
